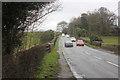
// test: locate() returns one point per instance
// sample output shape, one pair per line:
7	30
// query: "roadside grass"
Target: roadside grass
49	67
86	38
106	39
110	39
87	44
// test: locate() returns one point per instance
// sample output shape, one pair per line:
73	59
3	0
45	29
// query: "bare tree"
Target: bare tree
17	18
61	25
39	17
101	21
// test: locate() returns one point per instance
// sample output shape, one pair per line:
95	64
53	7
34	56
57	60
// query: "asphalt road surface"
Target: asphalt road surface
87	62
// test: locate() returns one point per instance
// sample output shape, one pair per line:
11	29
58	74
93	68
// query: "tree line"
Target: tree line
101	22
17	18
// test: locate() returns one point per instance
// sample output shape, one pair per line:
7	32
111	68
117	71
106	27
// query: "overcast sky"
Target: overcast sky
74	8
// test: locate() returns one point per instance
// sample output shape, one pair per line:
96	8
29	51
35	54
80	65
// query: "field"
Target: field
110	39
30	39
106	39
91	45
86	38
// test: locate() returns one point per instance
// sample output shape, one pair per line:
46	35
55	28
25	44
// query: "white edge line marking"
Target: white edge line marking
112	63
73	70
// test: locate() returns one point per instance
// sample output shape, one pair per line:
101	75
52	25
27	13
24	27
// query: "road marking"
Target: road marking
76	75
83	75
98	57
112	64
104	60
87	53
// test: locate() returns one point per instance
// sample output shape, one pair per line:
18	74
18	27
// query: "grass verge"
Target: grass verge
106	39
110	39
87	44
86	38
50	65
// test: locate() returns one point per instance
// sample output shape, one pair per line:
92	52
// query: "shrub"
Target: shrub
95	38
47	36
23	64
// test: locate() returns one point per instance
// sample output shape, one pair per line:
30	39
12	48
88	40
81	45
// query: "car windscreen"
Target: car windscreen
68	42
80	41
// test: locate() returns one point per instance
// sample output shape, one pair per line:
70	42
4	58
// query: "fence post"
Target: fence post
100	44
48	48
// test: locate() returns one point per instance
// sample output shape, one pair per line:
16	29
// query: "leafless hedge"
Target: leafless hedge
23	64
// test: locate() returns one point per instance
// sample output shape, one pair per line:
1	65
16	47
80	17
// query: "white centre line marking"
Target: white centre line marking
112	63
104	60
98	58
88	53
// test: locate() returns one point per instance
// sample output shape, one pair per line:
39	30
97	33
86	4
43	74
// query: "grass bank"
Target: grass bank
110	39
50	65
87	44
86	38
30	39
106	39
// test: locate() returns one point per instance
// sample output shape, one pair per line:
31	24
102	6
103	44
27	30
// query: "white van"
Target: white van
63	35
67	36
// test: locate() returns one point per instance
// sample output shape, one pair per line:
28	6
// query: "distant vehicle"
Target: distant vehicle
63	35
68	44
73	39
67	36
80	43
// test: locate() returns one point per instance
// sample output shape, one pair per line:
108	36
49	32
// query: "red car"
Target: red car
80	43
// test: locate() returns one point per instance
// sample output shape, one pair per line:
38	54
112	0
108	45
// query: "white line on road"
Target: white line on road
71	68
112	64
77	75
98	57
87	53
104	60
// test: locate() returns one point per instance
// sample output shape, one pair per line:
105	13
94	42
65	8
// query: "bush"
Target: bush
47	36
50	66
23	64
81	32
95	38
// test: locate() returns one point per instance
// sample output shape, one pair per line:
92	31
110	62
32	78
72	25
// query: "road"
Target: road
87	62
